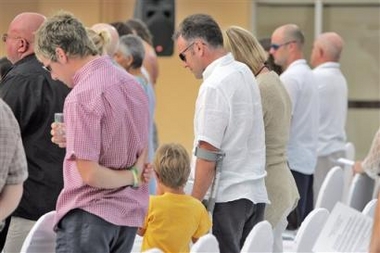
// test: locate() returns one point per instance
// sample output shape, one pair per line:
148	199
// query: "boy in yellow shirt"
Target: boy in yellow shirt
174	219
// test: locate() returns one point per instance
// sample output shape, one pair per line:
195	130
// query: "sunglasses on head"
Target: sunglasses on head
277	46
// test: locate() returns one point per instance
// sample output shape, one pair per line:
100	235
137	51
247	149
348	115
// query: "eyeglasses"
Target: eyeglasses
182	55
47	68
277	46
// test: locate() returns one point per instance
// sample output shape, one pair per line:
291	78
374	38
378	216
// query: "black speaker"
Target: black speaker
159	16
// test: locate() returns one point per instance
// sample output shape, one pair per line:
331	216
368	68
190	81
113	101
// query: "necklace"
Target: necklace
261	69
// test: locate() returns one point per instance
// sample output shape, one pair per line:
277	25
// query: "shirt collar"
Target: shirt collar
297	62
224	60
328	65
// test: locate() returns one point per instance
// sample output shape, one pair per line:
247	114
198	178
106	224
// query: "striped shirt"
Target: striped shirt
106	117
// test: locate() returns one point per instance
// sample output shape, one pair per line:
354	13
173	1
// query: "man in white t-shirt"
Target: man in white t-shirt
332	89
286	47
228	117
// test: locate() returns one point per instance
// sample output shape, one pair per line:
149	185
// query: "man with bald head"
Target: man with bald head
332	89
286	47
34	98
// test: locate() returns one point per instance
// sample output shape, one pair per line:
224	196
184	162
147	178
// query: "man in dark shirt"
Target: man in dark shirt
34	98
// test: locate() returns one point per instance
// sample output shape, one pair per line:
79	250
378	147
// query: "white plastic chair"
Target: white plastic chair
331	190
260	239
361	191
206	243
41	238
154	250
347	165
370	208
136	248
350	153
349	148
308	232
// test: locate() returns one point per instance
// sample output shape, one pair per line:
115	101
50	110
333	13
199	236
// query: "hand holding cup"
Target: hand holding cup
58	130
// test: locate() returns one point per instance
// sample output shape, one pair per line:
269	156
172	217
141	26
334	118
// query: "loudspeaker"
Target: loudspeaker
158	15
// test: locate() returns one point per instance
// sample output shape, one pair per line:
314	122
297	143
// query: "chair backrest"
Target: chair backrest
260	239
41	238
137	244
360	192
310	229
331	190
206	243
370	208
349	148
154	250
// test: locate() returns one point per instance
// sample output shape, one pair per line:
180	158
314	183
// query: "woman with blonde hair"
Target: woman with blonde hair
276	104
100	39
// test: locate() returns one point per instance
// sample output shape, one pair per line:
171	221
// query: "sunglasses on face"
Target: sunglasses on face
277	46
182	55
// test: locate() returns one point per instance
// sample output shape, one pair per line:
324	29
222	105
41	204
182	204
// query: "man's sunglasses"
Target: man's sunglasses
277	46
182	55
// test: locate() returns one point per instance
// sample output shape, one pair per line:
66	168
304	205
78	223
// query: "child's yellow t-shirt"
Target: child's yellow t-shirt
172	220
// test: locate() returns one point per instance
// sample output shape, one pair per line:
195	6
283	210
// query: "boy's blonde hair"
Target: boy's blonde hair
172	165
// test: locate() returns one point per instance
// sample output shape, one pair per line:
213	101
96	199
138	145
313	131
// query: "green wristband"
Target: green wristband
135	174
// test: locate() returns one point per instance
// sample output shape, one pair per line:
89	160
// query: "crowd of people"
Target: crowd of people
279	124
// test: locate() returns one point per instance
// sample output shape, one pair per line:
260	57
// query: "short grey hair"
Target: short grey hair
132	45
200	26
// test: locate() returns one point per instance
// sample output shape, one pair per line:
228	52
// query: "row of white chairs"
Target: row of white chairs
260	238
340	185
42	237
333	190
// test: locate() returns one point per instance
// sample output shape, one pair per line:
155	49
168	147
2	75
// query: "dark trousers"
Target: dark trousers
80	231
305	204
232	222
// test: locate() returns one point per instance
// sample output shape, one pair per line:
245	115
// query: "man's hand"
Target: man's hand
58	133
147	173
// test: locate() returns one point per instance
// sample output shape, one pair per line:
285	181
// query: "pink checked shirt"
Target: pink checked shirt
106	116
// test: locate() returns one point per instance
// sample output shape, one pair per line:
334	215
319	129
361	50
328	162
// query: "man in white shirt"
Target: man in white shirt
286	47
228	118
332	88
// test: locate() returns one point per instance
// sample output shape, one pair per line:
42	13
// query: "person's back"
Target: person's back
172	168
286	48
333	109
130	55
13	169
106	127
34	98
304	126
150	59
228	118
332	89
276	105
